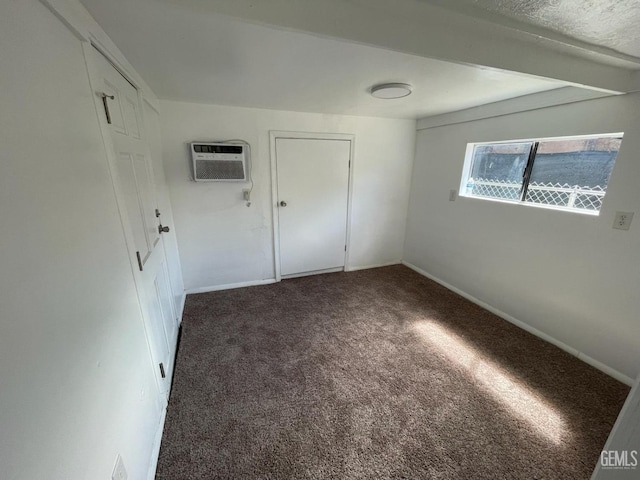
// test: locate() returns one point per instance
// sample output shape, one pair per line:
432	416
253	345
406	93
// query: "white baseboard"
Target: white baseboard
621	377
268	281
229	286
155	453
378	265
525	326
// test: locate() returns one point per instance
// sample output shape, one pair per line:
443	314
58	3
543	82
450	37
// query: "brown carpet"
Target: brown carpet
371	375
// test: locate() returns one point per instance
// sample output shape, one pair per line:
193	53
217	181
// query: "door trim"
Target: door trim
273	136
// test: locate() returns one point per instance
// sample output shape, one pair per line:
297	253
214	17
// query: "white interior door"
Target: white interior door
313	191
136	192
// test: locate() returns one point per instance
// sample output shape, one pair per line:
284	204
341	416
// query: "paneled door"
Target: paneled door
131	166
313	191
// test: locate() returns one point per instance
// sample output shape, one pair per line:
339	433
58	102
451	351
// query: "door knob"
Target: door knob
162	229
283	204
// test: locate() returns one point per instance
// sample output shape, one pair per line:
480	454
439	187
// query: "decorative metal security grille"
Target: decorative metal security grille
493	189
565	196
572	197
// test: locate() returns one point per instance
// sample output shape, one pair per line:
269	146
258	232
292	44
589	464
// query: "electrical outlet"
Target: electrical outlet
119	472
623	220
453	194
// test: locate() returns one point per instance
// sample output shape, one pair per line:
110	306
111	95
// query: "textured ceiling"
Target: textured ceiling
612	24
208	58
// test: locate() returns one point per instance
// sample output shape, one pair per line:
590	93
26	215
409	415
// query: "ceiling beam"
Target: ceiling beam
426	30
525	103
538	31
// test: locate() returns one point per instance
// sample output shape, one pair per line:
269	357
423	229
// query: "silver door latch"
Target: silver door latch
106	106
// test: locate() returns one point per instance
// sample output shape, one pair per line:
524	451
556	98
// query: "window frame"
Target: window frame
526	177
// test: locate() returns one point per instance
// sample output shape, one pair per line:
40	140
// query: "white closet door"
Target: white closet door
136	193
313	187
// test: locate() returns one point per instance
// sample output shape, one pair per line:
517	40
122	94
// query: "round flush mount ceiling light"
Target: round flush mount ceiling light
389	91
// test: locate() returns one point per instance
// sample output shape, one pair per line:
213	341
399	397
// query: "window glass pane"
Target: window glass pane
572	173
497	170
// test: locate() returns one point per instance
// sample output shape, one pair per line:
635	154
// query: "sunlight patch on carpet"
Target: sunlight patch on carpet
502	386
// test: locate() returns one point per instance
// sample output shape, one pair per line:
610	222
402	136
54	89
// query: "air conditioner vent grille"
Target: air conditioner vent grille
220	170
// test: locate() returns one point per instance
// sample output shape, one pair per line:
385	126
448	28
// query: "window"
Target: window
561	173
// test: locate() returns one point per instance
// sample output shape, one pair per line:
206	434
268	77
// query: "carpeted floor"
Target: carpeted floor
371	375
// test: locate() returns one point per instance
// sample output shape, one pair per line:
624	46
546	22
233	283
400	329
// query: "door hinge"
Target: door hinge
349	163
106	106
162	370
345	248
139	260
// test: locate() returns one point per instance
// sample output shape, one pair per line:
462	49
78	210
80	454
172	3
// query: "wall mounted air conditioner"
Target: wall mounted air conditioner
219	162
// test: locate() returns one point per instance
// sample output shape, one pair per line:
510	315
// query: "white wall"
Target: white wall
568	275
76	382
223	242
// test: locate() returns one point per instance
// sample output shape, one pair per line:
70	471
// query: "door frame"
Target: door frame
275	135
